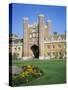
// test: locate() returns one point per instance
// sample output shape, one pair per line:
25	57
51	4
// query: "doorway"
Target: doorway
35	50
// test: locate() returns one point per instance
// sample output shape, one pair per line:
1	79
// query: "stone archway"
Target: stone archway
35	50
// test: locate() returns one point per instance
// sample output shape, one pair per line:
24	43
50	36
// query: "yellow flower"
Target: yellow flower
26	73
22	74
29	69
29	66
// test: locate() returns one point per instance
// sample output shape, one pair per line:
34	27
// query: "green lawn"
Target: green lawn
54	71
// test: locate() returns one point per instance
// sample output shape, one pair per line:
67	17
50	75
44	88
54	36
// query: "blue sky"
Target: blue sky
57	14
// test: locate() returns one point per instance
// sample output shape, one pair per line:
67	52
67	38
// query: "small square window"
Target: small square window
48	53
60	53
15	48
53	46
48	46
19	48
53	53
59	46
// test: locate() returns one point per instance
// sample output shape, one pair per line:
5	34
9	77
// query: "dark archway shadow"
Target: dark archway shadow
35	50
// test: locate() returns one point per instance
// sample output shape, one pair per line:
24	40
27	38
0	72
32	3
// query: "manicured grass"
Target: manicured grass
54	71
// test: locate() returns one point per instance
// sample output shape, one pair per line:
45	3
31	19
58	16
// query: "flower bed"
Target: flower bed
28	73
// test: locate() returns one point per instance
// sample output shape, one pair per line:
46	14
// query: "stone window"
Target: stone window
10	49
18	54
59	53
48	53
19	48
15	48
53	46
53	53
48	46
59	45
65	52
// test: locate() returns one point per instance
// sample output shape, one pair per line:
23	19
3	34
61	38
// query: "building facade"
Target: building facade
15	46
39	41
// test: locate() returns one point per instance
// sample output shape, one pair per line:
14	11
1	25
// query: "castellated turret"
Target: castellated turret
41	23
26	38
49	26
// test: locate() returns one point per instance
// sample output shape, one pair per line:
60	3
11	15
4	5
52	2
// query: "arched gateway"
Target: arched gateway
35	50
34	38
